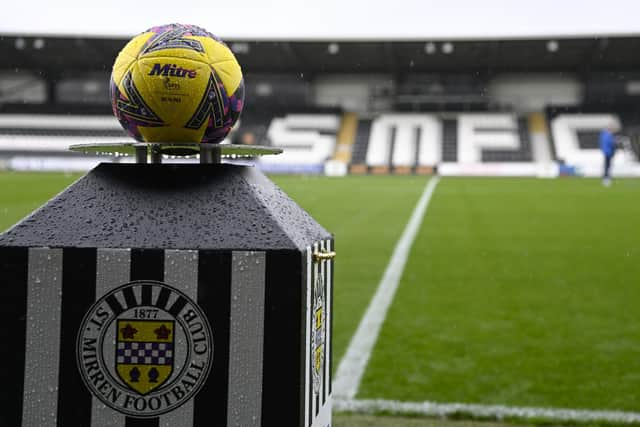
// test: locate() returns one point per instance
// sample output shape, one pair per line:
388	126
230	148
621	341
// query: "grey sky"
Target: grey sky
329	19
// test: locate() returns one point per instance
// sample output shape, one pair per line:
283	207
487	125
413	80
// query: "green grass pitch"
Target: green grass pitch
366	215
21	193
516	292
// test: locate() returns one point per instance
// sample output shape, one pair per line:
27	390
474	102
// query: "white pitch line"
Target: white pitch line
354	362
497	412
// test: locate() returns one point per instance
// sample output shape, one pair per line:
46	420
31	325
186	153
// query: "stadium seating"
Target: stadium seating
449	140
361	143
441	92
381	143
31	141
429	116
522	153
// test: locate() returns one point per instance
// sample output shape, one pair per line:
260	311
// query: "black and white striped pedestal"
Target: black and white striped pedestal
97	332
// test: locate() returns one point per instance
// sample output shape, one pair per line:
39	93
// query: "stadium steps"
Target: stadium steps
346	137
541	151
449	140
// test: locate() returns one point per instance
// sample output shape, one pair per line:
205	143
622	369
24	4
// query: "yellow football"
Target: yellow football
177	83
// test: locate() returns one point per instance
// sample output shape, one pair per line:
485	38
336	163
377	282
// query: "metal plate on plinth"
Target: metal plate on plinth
175	149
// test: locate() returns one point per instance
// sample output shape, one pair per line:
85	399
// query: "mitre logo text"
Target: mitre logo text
171	70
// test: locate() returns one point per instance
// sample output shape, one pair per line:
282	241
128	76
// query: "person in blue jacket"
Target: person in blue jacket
608	148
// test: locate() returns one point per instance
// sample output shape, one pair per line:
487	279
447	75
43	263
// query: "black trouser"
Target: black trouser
607	165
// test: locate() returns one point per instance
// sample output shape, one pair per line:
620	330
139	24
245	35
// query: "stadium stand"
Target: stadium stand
479	106
41	141
346	138
442	92
520	154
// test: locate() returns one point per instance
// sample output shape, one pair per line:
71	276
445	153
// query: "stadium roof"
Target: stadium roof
329	19
58	54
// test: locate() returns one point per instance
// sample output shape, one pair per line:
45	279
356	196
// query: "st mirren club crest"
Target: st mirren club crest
144	353
318	333
144	349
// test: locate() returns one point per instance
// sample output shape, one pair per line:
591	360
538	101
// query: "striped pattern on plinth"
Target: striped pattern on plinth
319	296
260	312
